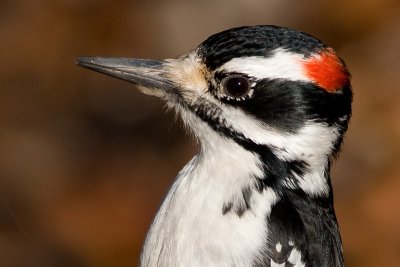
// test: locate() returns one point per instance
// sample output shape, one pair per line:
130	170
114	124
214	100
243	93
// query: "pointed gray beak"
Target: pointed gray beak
150	74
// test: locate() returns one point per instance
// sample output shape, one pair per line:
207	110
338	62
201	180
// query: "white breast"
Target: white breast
190	228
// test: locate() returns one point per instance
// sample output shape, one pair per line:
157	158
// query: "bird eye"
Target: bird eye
236	86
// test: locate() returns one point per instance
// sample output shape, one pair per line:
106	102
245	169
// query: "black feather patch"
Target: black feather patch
307	225
288	105
255	41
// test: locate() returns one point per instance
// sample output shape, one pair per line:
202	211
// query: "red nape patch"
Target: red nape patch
327	70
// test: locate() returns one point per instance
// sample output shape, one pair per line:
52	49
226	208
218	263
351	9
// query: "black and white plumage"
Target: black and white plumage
270	106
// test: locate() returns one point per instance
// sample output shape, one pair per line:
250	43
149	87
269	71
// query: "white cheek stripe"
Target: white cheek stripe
313	143
281	65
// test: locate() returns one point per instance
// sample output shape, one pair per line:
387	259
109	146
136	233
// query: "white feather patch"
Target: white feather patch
274	264
190	228
281	65
295	258
278	247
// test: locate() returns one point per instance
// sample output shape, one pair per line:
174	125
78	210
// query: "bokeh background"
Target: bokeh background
86	159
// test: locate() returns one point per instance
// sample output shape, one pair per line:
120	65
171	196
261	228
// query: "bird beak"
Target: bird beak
149	75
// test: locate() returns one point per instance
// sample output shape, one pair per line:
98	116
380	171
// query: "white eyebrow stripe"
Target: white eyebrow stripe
281	65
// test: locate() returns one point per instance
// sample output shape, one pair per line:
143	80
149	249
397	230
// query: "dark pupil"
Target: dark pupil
237	86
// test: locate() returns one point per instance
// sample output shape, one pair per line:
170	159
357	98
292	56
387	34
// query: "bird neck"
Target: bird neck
225	203
282	168
301	219
218	211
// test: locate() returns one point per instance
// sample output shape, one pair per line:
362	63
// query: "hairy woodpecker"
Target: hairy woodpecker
270	106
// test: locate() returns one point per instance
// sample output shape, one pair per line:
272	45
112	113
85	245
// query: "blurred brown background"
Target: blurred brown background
85	159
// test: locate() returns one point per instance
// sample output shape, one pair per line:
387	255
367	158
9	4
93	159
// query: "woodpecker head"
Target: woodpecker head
277	92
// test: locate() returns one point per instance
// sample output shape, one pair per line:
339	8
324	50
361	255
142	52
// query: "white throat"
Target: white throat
190	228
